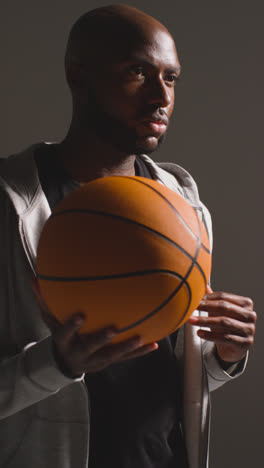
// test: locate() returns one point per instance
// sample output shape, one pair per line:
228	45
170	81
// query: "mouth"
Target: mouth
156	127
155	123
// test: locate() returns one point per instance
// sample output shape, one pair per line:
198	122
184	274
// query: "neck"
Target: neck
87	158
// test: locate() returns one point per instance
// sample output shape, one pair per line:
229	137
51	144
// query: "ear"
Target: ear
76	76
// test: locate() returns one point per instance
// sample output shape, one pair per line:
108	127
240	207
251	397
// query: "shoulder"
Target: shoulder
16	165
178	179
175	177
19	177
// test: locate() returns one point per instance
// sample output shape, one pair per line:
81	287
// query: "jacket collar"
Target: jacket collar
19	178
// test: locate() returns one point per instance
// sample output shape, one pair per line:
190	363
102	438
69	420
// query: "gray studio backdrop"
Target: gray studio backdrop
216	134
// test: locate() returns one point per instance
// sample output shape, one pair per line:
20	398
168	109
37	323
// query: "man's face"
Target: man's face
131	98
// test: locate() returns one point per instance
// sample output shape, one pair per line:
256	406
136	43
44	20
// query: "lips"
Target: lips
157	119
155	127
155	124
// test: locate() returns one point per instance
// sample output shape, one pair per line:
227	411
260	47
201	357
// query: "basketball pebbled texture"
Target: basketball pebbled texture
126	251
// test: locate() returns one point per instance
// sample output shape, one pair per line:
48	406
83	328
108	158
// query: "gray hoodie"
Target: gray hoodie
44	415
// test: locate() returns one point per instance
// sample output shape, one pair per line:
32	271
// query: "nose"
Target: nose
159	93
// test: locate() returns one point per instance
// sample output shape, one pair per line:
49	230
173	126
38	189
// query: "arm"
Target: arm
219	372
221	365
228	329
28	377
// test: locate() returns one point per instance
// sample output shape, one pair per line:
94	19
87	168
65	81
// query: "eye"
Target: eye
171	79
137	70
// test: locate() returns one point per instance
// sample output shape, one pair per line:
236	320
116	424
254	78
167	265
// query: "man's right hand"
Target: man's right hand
88	353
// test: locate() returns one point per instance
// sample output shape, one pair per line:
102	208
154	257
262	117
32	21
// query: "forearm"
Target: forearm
29	377
218	372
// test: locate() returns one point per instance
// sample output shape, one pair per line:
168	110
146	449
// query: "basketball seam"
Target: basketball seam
183	279
171	205
153	312
123	218
106	277
167	300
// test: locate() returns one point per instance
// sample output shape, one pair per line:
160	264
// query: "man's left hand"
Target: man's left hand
231	321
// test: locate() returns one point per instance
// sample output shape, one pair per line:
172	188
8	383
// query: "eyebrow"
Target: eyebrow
169	69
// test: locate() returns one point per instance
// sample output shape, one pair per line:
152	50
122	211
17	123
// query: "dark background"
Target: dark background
216	134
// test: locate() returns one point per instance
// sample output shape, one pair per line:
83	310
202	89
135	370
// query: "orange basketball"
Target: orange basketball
126	251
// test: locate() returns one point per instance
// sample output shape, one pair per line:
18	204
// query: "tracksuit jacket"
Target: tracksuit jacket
44	415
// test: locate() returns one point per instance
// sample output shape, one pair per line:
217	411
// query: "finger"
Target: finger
141	351
225	325
93	342
228	297
51	322
125	347
65	333
228	309
115	352
226	338
208	289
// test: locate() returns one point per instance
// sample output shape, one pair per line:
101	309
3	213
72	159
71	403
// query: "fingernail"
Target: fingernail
155	346
193	319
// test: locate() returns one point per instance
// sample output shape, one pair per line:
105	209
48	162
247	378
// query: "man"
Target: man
68	401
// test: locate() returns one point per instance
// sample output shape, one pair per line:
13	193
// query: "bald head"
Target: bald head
108	32
121	66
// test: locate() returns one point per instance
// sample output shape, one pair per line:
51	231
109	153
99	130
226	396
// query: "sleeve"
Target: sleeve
217	374
32	374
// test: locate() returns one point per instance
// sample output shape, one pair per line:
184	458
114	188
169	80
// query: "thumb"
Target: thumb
209	289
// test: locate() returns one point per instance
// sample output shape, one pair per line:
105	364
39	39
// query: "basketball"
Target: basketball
125	251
